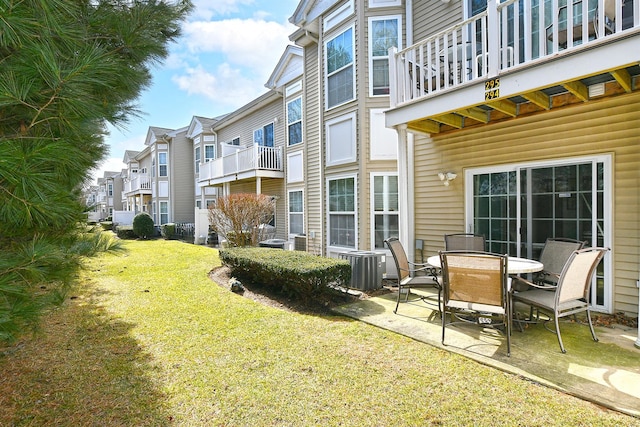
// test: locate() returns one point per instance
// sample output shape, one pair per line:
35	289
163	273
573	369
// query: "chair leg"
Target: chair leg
443	315
398	300
555	318
593	332
507	322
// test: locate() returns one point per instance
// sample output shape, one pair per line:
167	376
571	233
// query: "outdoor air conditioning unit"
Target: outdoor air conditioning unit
367	269
300	243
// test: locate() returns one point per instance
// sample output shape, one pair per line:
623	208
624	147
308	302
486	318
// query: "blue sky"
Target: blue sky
228	50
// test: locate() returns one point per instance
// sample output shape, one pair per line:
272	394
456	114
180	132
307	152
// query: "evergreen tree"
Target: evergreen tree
67	68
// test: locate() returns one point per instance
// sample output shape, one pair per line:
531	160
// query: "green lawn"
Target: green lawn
149	340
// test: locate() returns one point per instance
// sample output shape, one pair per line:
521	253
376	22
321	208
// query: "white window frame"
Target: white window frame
260	134
205	156
330	160
161	164
295	161
372	58
332	248
164	216
383	142
384	3
605	159
290	123
386	212
341	69
290	213
197	158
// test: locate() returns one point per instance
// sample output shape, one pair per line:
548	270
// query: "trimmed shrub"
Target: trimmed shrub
143	225
106	225
168	230
125	232
297	274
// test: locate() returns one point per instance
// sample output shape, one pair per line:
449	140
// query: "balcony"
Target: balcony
508	60
138	184
239	163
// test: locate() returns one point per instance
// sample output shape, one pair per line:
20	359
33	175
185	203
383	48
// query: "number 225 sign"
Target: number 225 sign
492	89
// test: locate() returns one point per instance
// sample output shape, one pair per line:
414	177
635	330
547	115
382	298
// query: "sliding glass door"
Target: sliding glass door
518	206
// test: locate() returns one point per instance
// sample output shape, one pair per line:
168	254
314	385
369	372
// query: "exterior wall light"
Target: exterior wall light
447	177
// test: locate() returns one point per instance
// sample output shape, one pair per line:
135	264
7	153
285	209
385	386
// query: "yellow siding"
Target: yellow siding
609	125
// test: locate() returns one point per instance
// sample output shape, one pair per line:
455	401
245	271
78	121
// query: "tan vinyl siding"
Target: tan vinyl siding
244	186
431	17
245	126
181	179
312	102
599	127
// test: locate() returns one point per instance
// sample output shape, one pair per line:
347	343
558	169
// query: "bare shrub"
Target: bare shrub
241	218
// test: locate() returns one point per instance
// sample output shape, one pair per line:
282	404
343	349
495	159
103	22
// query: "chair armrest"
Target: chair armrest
520	280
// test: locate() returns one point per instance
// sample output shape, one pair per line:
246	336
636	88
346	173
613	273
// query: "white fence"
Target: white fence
123	217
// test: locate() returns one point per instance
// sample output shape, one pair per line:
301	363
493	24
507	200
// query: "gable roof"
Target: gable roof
129	155
289	67
200	125
247	109
156	134
307	13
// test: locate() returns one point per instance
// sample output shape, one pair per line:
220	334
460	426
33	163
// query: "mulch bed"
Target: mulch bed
322	304
325	302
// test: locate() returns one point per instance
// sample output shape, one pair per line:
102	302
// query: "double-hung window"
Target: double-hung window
296	212
294	121
209	152
384	33
384	199
164	212
197	159
162	164
342	212
340	74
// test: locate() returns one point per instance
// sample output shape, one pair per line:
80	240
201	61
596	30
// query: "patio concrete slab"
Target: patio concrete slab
605	372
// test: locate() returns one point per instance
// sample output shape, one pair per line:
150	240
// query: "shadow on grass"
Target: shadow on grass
85	368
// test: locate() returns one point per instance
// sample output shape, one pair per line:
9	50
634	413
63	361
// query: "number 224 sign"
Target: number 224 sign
492	89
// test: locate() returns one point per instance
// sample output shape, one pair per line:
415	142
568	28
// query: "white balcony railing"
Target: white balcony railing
138	182
505	36
243	159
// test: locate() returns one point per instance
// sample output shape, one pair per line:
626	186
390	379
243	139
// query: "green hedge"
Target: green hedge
168	230
125	232
106	225
298	274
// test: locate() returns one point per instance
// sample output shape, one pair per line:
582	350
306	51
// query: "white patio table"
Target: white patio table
515	265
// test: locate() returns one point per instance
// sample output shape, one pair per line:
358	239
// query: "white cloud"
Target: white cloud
252	43
206	9
227	87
